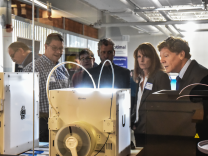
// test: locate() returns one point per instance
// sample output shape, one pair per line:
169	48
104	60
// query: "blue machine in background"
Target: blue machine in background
173	82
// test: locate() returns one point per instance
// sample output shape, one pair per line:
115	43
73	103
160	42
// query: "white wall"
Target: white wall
198	42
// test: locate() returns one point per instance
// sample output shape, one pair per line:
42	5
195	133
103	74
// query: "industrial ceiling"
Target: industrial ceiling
153	16
168	17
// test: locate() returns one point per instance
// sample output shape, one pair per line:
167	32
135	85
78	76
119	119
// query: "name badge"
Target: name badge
148	86
52	79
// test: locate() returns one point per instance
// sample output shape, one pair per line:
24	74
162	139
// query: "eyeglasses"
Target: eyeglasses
54	48
87	59
12	56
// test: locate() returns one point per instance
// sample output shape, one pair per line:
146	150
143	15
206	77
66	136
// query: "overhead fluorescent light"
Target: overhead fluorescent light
177	8
39	3
170	9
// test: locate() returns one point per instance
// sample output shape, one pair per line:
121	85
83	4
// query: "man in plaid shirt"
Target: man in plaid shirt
59	78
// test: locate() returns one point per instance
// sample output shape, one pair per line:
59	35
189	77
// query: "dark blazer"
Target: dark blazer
160	81
194	74
122	77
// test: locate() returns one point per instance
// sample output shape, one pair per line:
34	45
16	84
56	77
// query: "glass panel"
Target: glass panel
93	46
75	41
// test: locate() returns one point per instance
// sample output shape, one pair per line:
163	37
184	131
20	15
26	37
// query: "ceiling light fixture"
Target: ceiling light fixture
39	3
169	9
177	8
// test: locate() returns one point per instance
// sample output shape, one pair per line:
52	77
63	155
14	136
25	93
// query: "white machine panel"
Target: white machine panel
93	106
16	117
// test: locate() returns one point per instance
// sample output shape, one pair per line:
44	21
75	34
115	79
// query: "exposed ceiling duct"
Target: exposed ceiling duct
147	19
153	16
132	6
197	30
173	33
165	15
148	23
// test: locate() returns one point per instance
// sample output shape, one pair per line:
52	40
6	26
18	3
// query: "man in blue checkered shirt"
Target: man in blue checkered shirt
59	78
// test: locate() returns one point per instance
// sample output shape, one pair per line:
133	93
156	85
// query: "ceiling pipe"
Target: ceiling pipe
157	4
132	6
173	33
142	30
120	13
149	23
146	18
171	9
168	3
180	35
197	30
161	30
126	12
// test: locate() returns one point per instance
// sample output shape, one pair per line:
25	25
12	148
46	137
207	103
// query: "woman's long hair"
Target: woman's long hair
149	51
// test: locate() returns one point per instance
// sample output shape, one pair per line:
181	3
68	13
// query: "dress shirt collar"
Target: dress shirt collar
183	70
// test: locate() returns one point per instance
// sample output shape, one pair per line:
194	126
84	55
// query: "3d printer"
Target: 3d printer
88	121
16	112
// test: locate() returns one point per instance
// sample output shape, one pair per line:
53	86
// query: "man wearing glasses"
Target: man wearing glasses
86	59
59	79
122	75
20	53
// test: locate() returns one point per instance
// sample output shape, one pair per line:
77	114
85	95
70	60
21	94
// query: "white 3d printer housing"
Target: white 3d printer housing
89	116
16	112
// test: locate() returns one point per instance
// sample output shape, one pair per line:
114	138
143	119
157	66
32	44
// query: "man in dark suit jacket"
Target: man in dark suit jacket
194	74
175	57
122	75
